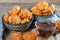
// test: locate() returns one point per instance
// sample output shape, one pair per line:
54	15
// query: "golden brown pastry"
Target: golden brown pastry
47	11
58	25
35	10
6	16
17	16
25	21
42	5
29	36
15	10
16	36
25	14
14	19
42	8
52	7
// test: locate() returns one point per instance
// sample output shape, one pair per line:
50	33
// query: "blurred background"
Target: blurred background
28	1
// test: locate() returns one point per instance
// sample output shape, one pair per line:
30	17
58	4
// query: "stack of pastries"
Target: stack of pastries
18	16
42	8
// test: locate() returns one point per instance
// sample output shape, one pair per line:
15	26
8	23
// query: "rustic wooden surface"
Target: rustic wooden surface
6	7
28	1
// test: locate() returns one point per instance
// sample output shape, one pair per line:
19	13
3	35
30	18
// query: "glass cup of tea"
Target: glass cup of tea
45	29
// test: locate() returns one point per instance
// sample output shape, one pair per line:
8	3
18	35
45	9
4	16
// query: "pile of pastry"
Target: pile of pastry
17	16
20	36
42	8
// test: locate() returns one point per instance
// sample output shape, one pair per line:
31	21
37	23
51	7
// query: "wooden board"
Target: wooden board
28	1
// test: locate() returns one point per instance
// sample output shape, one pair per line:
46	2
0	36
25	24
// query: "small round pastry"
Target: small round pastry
35	10
15	10
29	36
47	11
15	36
58	25
25	14
14	19
25	21
42	5
5	17
52	7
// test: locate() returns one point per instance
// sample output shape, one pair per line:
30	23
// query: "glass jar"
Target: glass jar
45	28
46	25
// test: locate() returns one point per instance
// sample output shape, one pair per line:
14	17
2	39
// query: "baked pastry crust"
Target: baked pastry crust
17	16
14	19
16	36
42	8
15	10
58	25
25	14
29	36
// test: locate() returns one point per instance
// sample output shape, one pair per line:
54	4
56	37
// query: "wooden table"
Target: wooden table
28	1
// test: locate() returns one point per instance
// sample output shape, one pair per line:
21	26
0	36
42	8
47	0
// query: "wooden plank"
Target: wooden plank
28	1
